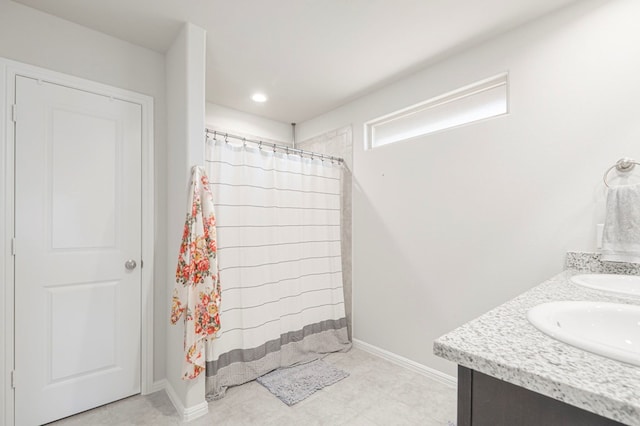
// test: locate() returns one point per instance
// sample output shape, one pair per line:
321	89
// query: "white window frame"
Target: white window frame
478	87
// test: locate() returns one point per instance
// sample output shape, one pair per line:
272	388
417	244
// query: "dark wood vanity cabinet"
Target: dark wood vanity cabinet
486	401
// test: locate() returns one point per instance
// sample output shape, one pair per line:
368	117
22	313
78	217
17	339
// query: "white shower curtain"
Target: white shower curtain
278	222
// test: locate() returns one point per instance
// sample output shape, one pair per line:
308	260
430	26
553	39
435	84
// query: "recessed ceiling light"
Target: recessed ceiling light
259	97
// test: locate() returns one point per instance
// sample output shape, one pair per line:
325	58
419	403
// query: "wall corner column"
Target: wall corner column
185	63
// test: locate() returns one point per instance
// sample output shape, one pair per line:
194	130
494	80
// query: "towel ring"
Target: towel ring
623	165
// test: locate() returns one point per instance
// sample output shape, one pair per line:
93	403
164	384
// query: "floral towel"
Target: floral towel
196	294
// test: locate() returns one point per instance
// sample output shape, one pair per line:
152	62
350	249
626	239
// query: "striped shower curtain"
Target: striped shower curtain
278	223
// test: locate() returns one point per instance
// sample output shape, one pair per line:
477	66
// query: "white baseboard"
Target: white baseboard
157	386
186	414
407	363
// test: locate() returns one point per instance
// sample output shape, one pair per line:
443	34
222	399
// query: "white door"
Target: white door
78	213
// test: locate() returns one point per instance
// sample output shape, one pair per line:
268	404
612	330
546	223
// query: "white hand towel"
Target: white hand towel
621	237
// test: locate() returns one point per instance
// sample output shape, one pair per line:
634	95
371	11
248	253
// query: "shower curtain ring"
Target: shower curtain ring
244	142
260	145
274	148
226	138
215	134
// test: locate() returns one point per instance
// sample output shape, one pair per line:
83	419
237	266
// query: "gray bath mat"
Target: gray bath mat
293	384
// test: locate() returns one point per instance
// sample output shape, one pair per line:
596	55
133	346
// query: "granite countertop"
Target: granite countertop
503	344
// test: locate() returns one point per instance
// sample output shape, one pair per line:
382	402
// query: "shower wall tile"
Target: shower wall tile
339	143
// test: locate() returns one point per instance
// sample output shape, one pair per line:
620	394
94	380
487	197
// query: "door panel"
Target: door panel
78	213
74	220
81	348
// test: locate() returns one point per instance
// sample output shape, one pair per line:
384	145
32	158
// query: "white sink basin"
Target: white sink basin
608	329
622	284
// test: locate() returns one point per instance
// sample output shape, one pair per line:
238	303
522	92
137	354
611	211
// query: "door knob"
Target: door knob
130	264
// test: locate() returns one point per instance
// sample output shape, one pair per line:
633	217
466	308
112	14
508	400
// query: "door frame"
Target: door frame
8	71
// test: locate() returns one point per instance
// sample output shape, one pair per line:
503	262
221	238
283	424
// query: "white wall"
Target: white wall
449	225
219	117
185	66
37	38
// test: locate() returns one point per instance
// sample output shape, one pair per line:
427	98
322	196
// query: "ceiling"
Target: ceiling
308	56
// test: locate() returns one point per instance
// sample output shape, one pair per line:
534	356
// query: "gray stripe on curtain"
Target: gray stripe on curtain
273	188
278	244
269	302
231	287
253	354
270	170
259	206
279	263
277	226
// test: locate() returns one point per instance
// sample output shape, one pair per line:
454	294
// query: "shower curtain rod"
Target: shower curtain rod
282	148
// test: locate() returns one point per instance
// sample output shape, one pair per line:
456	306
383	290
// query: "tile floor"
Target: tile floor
377	392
